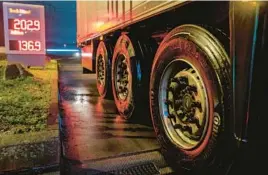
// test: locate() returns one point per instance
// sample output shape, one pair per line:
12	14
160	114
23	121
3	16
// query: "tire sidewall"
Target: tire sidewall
124	107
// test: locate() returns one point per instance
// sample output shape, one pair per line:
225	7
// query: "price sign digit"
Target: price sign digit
16	24
38	45
37	25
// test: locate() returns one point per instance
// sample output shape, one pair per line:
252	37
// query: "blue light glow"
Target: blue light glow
139	71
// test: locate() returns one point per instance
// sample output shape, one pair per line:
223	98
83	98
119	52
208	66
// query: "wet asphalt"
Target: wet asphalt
33	158
94	138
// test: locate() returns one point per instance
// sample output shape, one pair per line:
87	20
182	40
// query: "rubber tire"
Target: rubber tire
203	50
104	91
125	107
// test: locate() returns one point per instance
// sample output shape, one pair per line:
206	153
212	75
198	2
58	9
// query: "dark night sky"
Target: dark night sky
61	23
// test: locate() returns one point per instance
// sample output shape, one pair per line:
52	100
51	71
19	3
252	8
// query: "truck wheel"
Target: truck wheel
123	80
102	70
190	96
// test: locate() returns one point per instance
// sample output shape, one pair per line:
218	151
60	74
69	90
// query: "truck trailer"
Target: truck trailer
197	67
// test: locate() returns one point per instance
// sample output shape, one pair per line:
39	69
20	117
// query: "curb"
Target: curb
35	170
53	110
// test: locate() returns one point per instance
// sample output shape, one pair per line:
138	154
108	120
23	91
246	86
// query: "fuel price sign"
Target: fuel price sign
24	26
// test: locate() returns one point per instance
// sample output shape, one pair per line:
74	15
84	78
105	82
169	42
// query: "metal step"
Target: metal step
139	163
142	169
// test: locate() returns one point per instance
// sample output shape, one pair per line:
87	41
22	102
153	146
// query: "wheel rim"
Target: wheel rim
121	77
183	104
101	70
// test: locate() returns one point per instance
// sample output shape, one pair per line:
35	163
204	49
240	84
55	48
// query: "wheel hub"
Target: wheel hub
187	102
101	70
122	77
185	105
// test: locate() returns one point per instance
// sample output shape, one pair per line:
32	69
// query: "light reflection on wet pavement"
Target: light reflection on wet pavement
91	128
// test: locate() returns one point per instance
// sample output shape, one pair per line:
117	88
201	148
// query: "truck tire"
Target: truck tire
190	97
123	76
103	70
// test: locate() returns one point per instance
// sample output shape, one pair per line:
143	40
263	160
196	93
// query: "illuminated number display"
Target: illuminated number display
24	28
24	25
23	45
30	45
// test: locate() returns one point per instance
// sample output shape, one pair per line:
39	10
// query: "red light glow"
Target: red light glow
86	54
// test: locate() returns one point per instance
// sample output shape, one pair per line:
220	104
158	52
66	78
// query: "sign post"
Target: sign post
24	27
